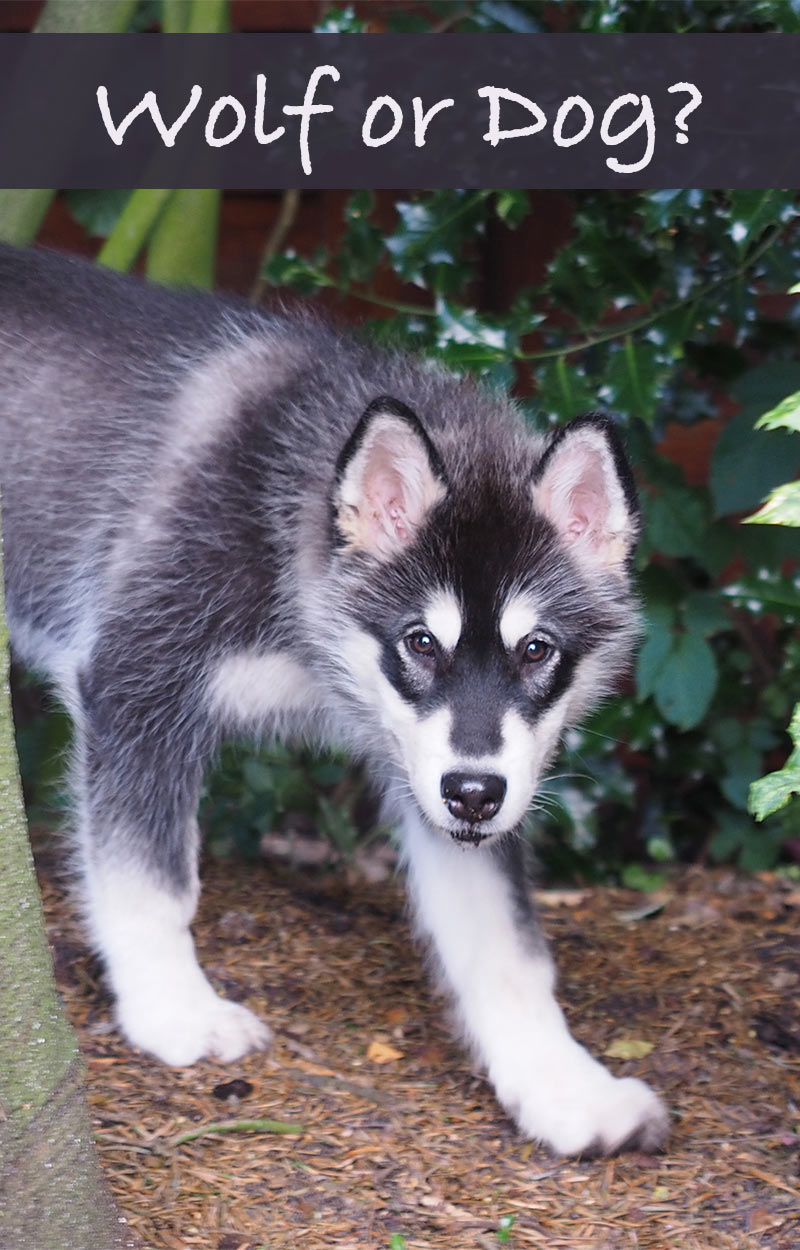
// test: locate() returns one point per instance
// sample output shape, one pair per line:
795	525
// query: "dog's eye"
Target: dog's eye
536	651
421	642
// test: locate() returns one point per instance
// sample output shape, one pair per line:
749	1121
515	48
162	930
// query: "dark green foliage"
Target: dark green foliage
250	795
526	17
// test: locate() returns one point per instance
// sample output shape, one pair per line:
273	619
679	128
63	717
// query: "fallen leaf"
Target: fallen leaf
759	1219
561	898
628	1048
380	1052
651	908
396	1015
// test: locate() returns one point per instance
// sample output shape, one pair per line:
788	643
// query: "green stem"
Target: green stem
370	297
86	17
209	17
239	1126
183	246
175	16
644	323
136	223
22	213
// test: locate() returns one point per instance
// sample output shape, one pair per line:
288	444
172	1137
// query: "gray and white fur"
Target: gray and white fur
221	520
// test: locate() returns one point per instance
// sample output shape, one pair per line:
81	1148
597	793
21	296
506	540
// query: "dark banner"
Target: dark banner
400	110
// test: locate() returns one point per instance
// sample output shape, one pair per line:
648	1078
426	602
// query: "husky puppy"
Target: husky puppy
221	520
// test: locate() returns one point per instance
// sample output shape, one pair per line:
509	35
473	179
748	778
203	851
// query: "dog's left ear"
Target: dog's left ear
585	488
388	478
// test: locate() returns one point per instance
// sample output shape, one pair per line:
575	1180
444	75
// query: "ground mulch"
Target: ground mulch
402	1142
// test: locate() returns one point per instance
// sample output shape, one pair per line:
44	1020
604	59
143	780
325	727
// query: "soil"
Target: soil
402	1143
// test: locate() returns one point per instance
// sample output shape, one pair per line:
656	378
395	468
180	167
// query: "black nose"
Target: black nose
473	798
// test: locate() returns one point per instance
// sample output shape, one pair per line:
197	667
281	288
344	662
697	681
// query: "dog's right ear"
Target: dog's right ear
585	488
388	478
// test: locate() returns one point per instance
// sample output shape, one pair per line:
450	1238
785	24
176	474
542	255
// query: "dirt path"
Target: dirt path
414	1152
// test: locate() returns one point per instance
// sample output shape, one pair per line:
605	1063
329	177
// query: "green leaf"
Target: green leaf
464	325
661	209
430	245
750	213
770	594
676	521
306	276
746	466
704	613
781	507
637	877
361	248
732	831
771	793
686	681
651	659
512	207
341	21
259	777
562	389
97	211
631	379
743	766
328	772
786	413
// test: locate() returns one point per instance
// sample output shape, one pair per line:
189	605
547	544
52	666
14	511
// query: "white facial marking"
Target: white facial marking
443	618
519	619
254	687
521	760
424	748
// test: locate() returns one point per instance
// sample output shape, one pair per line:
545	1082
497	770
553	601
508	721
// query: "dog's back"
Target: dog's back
90	364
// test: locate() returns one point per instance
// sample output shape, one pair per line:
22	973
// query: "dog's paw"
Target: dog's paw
201	1026
589	1112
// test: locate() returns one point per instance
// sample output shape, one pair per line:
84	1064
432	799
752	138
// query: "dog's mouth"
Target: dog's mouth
470	835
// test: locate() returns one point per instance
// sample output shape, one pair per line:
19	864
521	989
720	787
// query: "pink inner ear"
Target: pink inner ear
388	489
575	495
587	510
386	500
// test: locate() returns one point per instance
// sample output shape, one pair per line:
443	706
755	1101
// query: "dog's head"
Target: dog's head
490	586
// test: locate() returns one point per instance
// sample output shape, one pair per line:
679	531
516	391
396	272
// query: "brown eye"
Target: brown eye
421	643
536	651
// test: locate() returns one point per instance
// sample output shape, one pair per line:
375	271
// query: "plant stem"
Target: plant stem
134	227
644	323
239	1126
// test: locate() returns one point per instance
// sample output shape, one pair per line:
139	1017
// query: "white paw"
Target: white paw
581	1109
182	1029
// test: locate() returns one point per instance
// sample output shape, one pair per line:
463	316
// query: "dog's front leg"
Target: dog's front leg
136	796
493	959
